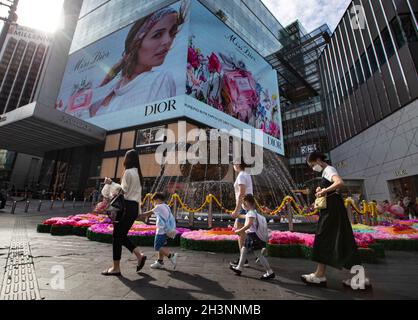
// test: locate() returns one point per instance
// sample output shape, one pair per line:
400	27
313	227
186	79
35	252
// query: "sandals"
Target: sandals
142	264
111	274
313	280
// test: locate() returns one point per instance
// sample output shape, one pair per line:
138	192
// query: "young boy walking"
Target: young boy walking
257	236
166	226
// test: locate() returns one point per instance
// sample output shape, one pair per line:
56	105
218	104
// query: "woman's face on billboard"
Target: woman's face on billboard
158	41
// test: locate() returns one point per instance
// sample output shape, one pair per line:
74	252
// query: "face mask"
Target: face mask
317	168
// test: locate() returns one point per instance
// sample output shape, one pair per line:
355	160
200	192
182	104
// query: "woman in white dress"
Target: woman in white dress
133	79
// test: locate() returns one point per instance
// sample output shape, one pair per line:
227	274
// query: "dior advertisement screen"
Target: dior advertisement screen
224	72
110	82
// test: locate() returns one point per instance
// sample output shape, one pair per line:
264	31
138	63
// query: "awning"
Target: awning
35	129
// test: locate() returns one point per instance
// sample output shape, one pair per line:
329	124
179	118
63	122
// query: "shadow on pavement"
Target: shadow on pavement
144	288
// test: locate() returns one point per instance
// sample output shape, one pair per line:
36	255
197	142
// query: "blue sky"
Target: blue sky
311	13
44	14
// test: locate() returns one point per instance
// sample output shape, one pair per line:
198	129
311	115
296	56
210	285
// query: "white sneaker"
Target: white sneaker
312	279
157	265
263	253
173	260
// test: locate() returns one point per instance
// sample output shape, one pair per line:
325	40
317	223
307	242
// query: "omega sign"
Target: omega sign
161	107
80	124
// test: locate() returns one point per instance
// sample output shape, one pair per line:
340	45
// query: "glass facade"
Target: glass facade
21	65
248	18
369	73
303	115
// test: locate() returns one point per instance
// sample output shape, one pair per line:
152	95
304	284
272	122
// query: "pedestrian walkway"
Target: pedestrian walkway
200	275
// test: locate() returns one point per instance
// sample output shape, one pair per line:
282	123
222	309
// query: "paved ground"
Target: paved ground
200	275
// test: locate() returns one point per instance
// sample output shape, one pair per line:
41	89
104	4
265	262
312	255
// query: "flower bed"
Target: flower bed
281	244
99	228
72	225
140	234
399	235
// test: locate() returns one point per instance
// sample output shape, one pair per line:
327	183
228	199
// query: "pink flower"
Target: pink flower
274	129
202	78
193	58
214	64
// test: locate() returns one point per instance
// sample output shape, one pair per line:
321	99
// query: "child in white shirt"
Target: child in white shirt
163	214
255	240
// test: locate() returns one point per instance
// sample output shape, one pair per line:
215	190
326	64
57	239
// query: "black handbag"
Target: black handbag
116	207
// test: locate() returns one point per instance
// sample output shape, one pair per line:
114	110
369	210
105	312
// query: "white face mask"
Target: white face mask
317	168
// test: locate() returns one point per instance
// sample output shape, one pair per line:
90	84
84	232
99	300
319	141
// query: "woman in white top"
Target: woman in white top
334	243
131	186
243	186
133	79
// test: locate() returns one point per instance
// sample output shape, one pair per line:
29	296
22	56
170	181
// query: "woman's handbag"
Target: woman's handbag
320	203
116	207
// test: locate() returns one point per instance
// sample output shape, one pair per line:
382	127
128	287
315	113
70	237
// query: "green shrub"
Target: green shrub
43	228
61	230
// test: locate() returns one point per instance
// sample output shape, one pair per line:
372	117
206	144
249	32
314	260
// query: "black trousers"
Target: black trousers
121	229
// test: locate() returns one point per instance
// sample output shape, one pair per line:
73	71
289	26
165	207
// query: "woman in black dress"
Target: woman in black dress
334	244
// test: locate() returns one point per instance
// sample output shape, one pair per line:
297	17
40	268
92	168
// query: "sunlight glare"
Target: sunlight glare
40	14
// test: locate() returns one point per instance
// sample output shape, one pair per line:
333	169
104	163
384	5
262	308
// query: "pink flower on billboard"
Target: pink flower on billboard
214	64
193	58
274	129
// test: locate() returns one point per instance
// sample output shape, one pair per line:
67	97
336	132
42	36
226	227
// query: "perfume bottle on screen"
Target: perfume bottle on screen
239	89
80	100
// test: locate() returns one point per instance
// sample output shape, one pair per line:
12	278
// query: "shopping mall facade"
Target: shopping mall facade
370	88
217	79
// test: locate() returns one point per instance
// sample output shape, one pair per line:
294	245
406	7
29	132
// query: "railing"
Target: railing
366	214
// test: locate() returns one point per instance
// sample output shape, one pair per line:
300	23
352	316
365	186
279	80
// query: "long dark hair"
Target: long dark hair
132	161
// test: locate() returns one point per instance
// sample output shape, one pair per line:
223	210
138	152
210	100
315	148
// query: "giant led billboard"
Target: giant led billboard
224	72
178	62
109	82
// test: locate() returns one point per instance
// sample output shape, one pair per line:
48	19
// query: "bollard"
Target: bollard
84	203
14	207
39	205
52	204
290	217
74	203
191	219
27	206
210	216
175	209
63	202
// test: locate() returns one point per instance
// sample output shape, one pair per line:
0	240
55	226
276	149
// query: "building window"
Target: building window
397	32
410	31
359	73
150	136
387	41
353	76
365	66
372	58
112	142
379	51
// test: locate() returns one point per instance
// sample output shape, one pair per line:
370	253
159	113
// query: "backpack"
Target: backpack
170	224
262	228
